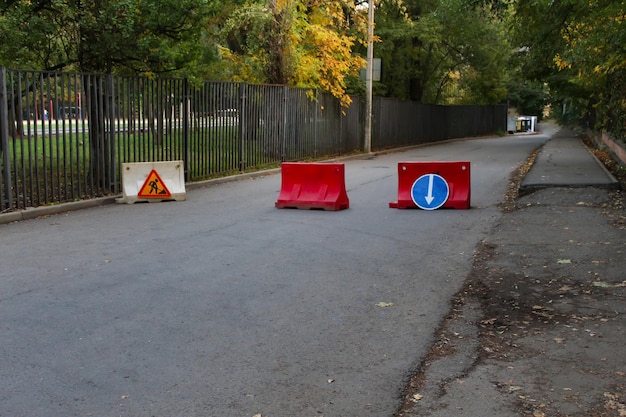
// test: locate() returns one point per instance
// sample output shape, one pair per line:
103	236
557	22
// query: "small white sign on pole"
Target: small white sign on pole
153	181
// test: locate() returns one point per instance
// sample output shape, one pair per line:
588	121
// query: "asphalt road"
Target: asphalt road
223	305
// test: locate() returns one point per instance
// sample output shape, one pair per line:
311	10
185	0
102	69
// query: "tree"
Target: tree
295	42
39	38
442	51
528	97
577	47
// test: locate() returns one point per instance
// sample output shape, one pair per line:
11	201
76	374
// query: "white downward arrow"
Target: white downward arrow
429	197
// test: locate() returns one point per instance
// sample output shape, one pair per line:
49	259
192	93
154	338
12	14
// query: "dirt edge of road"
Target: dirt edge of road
537	328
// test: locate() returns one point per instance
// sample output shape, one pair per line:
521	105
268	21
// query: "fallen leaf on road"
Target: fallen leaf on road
614	403
383	304
564	261
559	340
417	397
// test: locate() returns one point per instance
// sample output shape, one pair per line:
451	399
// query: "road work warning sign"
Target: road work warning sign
154	187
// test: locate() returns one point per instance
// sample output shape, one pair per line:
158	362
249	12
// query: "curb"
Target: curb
35	212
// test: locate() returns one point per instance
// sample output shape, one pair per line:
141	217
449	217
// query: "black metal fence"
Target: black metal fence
64	136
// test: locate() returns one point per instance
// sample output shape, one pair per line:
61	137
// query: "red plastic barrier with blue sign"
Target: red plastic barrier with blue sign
433	185
310	185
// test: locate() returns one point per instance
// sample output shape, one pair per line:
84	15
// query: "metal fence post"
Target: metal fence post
4	141
340	136
476	120
110	151
242	123
315	126
283	135
186	99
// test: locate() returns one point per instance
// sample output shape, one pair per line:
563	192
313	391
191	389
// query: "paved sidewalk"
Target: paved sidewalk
539	326
565	161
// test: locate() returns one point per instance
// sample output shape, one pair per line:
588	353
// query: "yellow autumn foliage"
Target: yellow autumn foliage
311	40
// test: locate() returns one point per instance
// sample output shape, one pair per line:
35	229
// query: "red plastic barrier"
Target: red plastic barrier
309	185
456	174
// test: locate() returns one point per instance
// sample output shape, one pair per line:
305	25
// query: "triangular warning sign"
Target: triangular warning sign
154	187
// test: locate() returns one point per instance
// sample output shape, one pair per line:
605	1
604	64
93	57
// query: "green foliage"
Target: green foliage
435	51
577	47
37	33
119	36
299	43
445	51
611	105
528	97
245	43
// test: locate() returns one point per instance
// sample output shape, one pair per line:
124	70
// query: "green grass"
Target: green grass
210	151
51	166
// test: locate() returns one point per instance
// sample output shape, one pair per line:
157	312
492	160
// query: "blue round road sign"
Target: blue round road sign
430	191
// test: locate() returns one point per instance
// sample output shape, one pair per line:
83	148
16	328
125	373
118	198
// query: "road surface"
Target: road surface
223	305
